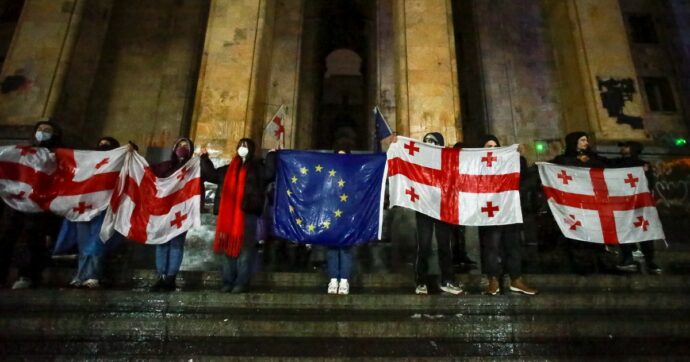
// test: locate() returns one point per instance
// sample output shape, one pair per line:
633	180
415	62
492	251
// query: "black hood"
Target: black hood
488	138
635	147
173	157
113	143
54	141
571	142
436	136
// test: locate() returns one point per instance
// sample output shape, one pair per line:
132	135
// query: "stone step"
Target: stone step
189	280
387	301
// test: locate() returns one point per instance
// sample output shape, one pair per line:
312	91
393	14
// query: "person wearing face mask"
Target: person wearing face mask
501	250
169	255
86	236
36	230
425	229
238	203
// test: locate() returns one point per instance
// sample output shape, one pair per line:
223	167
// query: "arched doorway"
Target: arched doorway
337	63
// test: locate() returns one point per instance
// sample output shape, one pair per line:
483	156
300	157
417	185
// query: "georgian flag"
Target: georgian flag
274	133
469	186
74	184
611	206
153	210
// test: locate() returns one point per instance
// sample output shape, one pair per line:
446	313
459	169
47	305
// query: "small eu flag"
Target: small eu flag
327	198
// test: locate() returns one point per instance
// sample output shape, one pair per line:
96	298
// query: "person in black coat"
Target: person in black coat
585	257
630	157
502	250
37	230
238	202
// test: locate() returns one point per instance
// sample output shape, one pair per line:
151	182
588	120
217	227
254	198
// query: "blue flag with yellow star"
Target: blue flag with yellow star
327	198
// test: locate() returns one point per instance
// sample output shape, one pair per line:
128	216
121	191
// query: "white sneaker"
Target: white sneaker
333	286
75	283
91	283
451	288
22	283
421	289
344	287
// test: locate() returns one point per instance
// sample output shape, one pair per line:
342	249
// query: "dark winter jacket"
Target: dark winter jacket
259	174
581	158
167	168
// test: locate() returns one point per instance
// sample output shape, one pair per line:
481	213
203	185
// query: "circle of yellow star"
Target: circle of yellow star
343	197
338	213
331	173
318	168
326	224
298	221
294	179
311	227
341	183
304	170
289	193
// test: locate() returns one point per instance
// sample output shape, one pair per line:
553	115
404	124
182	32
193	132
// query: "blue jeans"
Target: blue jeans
339	262
90	267
236	272
169	256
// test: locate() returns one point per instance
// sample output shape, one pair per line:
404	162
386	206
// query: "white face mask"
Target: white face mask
43	136
242	151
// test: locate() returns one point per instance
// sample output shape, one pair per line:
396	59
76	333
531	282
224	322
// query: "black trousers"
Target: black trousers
32	232
425	228
501	251
647	248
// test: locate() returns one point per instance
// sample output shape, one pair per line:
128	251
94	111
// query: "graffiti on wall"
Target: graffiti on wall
614	93
672	192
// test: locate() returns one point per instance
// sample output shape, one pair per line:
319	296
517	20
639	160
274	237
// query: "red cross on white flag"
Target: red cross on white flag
609	206
274	133
472	186
153	210
74	184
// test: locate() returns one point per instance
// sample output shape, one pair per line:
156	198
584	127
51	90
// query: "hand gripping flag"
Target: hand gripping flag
327	198
74	184
608	206
469	186
153	210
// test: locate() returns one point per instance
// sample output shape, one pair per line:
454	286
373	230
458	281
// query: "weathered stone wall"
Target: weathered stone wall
427	94
231	71
519	73
40	52
144	87
652	60
679	24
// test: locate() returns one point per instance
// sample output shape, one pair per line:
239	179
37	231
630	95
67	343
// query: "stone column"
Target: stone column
591	43
231	89
427	83
40	52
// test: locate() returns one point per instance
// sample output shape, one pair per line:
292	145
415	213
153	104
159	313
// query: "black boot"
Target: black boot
159	285
169	285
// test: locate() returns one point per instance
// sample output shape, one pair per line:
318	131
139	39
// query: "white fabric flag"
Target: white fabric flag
609	206
274	133
153	210
470	186
74	184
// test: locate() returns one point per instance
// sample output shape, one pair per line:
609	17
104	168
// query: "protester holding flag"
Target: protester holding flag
458	245
38	229
239	202
501	248
630	157
425	229
585	257
339	261
86	236
169	255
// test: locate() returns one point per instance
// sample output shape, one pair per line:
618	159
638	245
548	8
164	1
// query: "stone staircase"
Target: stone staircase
289	316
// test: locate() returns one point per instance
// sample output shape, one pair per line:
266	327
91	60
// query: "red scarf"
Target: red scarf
230	222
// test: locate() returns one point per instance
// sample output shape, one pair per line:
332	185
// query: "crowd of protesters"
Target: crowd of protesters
242	201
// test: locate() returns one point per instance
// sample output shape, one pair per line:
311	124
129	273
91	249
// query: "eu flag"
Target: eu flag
328	198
